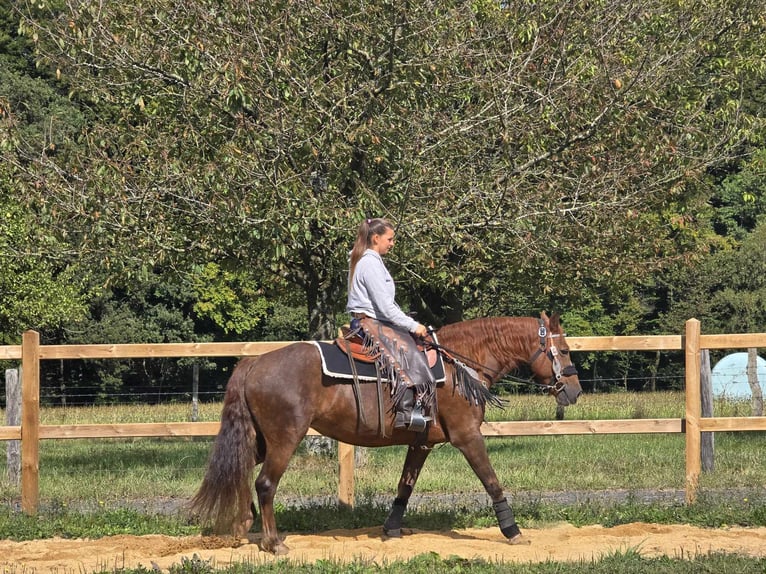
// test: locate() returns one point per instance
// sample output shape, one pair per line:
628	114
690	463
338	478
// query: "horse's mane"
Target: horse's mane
507	339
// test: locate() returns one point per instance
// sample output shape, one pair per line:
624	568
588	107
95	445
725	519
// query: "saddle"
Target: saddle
350	342
389	351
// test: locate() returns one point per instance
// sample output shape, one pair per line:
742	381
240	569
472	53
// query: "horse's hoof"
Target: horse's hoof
278	548
393	533
518	539
281	550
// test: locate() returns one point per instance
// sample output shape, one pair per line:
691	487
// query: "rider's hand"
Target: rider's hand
421	330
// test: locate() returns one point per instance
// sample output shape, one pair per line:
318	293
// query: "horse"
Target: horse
271	401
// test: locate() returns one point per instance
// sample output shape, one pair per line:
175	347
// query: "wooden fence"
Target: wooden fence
30	431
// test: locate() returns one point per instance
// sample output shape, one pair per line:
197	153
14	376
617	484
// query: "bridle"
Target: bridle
549	350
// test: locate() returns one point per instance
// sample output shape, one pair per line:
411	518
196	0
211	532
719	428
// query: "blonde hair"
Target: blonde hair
368	228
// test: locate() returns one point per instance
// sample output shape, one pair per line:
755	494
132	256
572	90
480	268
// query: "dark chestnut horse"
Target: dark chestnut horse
272	400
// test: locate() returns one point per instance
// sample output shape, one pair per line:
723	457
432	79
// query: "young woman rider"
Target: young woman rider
372	301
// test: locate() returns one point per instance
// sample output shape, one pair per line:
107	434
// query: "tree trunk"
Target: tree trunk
436	308
653	379
322	301
321	314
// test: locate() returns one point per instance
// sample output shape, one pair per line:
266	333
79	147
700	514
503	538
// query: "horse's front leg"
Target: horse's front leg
416	456
474	449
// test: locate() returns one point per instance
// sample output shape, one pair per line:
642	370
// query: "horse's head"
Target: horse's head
551	364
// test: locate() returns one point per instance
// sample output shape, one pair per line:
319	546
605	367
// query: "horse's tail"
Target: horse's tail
225	495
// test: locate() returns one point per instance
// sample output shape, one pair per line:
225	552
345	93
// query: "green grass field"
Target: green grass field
85	484
173	467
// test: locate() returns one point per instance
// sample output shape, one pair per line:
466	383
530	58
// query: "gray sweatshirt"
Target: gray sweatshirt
372	292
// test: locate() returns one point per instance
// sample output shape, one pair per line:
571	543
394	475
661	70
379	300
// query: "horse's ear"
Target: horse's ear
544	316
555	322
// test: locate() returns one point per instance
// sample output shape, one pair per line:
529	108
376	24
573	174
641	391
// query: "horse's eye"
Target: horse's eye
564	351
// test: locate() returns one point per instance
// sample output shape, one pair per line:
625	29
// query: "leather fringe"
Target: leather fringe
400	362
468	385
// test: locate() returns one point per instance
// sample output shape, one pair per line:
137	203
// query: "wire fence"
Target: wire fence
692	424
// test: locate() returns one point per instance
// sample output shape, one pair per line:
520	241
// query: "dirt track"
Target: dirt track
559	543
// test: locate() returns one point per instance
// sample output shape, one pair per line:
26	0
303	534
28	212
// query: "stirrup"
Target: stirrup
417	422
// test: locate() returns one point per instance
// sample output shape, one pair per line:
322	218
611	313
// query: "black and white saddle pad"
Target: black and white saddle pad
335	364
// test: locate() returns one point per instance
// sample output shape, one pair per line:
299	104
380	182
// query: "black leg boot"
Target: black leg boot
410	414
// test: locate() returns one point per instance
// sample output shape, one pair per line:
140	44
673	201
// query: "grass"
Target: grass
85	483
137	468
627	562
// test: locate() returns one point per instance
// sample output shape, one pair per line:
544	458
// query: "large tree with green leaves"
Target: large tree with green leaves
726	291
40	286
530	152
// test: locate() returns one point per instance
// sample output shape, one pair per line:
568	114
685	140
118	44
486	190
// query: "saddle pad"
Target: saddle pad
335	364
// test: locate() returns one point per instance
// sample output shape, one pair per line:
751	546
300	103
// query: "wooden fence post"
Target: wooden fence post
346	474
30	421
693	407
13	419
752	380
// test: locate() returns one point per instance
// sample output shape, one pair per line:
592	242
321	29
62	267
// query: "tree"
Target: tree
34	292
152	310
723	290
727	293
551	150
39	287
741	198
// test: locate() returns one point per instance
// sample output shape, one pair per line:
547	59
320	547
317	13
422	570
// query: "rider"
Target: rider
371	299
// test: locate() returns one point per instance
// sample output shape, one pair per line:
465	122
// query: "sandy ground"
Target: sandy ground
558	543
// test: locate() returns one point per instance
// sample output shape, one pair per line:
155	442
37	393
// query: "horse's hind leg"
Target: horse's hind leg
274	466
245	520
416	457
248	512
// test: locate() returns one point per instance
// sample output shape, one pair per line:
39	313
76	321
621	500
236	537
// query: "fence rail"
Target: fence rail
30	432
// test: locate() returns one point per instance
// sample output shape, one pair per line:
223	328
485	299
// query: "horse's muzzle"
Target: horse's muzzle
567	392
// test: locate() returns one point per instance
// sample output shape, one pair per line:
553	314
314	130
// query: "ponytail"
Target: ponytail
368	228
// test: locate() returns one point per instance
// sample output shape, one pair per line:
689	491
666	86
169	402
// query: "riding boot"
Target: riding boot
410	414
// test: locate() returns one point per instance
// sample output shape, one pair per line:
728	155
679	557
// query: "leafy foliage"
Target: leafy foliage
726	292
39	288
740	199
585	157
35	292
229	298
551	150
151	311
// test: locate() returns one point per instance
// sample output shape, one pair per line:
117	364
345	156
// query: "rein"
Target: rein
452	354
474	364
551	353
